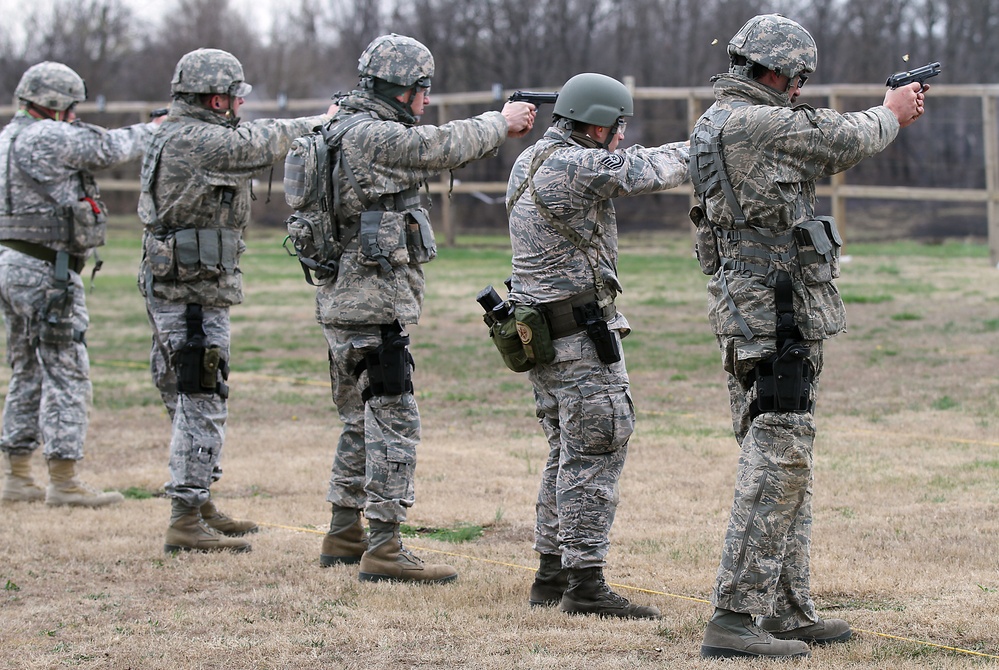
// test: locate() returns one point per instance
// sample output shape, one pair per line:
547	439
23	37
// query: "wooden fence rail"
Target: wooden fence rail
697	99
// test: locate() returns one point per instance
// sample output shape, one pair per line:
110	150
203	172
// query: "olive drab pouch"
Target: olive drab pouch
384	239
705	244
420	237
535	334
506	337
87	225
819	245
186	254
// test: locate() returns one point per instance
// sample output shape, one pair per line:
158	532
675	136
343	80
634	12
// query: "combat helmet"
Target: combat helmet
209	71
398	60
594	99
52	86
777	43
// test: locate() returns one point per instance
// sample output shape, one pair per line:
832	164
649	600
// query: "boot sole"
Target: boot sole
235	533
327	561
176	548
376	577
843	637
722	652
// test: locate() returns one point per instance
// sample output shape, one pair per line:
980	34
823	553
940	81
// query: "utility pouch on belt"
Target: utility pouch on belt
705	244
198	366
535	333
591	316
499	316
819	244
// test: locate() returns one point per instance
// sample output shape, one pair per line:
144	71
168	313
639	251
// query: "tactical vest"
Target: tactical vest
809	252
186	254
75	228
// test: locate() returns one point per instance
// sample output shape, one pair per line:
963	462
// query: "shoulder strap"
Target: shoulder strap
708	167
581	243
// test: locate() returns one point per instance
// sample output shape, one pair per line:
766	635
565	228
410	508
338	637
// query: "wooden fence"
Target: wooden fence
697	99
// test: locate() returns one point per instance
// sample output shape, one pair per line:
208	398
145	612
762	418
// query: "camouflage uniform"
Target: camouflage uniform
376	453
773	155
45	168
584	405
194	204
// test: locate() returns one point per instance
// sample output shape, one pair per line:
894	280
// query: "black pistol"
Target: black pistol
920	74
533	97
158	112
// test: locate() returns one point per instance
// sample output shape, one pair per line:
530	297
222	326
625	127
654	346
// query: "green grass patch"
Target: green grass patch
458	534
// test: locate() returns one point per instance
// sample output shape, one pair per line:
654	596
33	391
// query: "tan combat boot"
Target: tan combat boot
823	631
345	547
390	561
734	634
588	593
225	524
188	532
65	489
19	485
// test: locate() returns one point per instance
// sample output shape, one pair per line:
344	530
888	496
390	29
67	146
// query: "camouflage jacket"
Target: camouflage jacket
773	154
577	184
195	200
388	158
50	162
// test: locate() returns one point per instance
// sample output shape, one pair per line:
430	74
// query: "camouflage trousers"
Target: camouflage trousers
764	568
375	460
50	391
585	409
198	419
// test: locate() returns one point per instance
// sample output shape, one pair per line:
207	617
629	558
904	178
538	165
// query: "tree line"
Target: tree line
309	49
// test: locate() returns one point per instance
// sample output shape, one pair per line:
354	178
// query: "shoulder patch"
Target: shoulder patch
612	162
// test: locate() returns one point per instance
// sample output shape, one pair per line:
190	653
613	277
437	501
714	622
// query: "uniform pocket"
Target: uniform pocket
607	418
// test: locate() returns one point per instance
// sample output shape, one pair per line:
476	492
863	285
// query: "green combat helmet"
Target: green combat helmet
52	86
594	99
209	71
775	42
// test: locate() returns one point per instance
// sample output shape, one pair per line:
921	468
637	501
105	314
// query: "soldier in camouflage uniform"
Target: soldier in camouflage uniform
386	157
563	230
52	219
755	159
194	204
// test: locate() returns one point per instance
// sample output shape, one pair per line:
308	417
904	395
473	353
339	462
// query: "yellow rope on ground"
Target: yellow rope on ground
648	591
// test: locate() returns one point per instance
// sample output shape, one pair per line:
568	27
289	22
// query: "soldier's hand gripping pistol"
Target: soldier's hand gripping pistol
920	74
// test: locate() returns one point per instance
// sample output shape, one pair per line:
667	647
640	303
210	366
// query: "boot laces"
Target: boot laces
403	551
609	595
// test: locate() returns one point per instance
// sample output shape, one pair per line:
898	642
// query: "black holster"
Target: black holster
389	365
200	367
784	379
590	316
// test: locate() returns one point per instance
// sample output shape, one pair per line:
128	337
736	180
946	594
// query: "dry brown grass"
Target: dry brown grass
905	511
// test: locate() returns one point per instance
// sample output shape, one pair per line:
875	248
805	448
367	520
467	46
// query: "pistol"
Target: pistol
157	113
533	97
920	74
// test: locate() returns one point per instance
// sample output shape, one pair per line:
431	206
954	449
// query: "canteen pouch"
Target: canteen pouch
506	337
704	242
819	246
535	334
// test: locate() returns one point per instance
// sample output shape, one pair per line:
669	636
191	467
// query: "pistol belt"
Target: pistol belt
43	253
560	312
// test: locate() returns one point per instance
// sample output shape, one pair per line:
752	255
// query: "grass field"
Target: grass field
906	494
